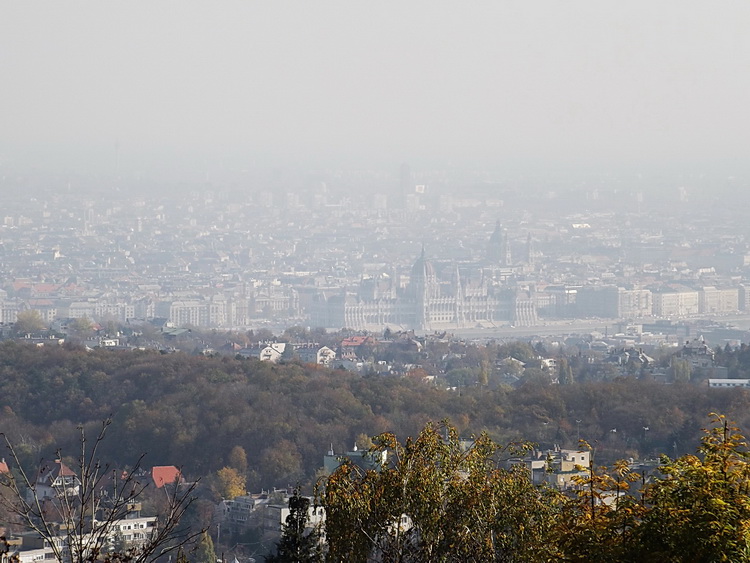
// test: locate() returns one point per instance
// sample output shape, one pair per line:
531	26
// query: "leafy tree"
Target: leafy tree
363	442
565	372
82	326
204	552
537	375
700	510
238	459
519	350
432	500
680	370
485	370
29	322
597	523
297	545
461	377
229	483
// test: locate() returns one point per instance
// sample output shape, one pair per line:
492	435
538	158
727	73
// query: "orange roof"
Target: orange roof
4	467
49	471
355	341
45	287
64	469
165	474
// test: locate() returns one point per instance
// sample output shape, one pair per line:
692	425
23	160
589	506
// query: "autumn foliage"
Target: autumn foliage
436	501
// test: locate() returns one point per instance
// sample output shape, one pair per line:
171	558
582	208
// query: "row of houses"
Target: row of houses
57	490
309	352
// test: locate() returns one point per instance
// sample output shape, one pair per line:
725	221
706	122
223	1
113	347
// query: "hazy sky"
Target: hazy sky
173	82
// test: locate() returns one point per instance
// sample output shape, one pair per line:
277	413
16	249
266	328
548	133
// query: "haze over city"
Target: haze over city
273	243
183	89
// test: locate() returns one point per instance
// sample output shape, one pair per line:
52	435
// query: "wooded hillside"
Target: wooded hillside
192	411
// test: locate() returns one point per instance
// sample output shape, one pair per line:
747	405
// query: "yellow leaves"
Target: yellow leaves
584	445
229	483
459	504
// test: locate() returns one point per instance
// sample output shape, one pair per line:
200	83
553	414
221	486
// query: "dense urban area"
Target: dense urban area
366	250
279	346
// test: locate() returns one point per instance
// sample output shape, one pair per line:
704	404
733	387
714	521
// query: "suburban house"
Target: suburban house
698	353
268	352
349	347
55	479
314	354
556	467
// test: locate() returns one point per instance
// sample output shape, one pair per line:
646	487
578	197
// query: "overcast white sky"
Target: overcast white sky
602	82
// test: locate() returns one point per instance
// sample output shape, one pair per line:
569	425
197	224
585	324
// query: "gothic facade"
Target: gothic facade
432	300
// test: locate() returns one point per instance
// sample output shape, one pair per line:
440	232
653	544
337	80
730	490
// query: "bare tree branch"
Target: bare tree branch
81	519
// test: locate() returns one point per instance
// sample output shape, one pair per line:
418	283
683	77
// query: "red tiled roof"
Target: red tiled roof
45	287
165	474
64	469
49	471
354	341
4	467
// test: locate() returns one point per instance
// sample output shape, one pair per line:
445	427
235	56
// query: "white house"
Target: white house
322	355
269	352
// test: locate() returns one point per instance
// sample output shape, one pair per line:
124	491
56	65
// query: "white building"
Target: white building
718	383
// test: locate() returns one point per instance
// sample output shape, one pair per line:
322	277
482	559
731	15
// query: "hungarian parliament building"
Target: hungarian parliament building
457	296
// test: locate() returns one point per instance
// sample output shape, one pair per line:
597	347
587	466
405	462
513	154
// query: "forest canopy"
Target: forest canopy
193	411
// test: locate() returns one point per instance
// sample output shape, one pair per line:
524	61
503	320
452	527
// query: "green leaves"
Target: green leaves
438	500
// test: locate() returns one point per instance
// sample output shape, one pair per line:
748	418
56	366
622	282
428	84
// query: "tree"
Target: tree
363	442
697	510
700	510
29	322
597	523
281	460
80	513
238	459
680	370
204	551
296	544
229	483
565	372
81	326
433	500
